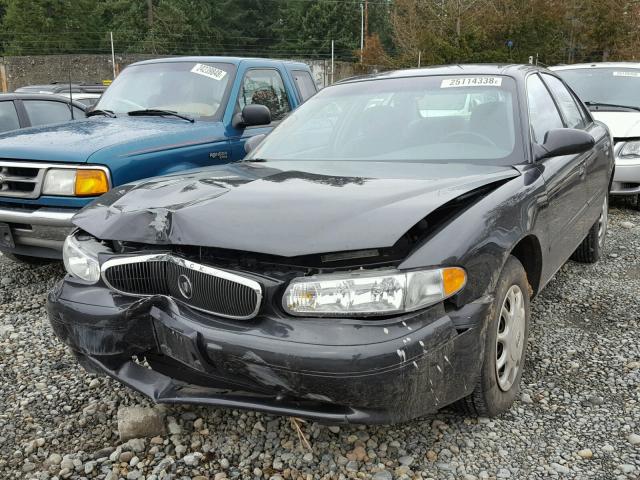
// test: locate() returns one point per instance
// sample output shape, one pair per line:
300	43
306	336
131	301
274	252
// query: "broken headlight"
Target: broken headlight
80	257
372	292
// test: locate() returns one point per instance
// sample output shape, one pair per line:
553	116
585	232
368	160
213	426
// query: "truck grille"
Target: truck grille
201	287
20	180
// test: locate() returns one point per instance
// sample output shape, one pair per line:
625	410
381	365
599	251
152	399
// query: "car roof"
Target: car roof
577	66
512	70
39	96
221	59
57	87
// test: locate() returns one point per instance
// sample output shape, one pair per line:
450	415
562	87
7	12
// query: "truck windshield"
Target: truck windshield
470	119
190	88
613	86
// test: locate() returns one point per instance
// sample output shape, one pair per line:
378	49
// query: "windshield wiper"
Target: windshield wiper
106	113
254	160
612	105
160	113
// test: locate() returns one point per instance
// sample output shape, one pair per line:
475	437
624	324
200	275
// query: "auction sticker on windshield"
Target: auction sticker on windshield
209	71
471	82
626	74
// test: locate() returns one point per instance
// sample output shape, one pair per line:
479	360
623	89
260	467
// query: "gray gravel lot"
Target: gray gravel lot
578	417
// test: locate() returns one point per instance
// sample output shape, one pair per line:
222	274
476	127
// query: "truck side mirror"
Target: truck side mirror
251	116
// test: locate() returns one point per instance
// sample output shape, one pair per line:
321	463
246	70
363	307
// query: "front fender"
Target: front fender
481	237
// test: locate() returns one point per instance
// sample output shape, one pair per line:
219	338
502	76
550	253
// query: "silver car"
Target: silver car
611	90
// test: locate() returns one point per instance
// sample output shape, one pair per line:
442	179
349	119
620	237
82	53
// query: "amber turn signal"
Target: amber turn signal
91	183
453	279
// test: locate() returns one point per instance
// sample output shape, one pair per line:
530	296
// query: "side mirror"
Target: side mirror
564	141
253	142
252	115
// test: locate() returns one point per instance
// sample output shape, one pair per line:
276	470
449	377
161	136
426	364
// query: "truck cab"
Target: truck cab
159	116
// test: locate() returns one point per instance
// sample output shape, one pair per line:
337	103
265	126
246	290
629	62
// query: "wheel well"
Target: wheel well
529	253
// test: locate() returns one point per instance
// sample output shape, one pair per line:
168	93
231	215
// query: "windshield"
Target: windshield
190	88
470	119
616	86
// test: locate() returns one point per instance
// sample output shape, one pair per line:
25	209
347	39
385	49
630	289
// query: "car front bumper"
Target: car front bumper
38	232
330	370
626	179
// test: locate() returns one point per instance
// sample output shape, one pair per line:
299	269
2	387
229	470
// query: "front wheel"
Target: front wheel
505	345
591	247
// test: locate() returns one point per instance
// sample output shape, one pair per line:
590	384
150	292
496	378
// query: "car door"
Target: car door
597	161
565	178
264	86
9	119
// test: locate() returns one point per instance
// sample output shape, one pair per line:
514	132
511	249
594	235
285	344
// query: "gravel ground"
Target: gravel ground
578	416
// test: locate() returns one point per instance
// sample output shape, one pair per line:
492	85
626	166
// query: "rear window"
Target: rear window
304	83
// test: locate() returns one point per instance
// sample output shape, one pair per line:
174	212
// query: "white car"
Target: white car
612	93
87	99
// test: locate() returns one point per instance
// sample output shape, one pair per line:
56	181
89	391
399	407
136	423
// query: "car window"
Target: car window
42	112
305	84
265	87
457	118
566	102
8	117
613	85
543	113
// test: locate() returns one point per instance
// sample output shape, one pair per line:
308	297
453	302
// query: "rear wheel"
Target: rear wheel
591	247
505	345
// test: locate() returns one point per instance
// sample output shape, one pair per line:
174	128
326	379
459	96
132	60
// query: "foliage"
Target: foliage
398	31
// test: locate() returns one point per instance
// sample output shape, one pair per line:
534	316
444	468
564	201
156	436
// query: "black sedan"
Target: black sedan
21	110
372	260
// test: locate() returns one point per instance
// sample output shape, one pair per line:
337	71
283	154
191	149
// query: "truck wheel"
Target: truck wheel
591	247
25	259
505	345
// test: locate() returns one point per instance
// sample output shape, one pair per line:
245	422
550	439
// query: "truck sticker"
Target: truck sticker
209	71
626	74
471	82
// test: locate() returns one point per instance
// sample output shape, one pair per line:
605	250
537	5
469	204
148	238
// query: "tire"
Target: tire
590	250
26	260
497	388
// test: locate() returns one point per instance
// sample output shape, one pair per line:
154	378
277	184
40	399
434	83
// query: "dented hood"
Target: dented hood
284	208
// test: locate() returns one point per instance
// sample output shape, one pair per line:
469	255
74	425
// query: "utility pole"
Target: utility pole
332	63
419	57
113	56
361	30
150	13
366	21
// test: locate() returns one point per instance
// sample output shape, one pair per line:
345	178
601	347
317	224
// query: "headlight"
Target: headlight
81	259
79	183
362	293
630	149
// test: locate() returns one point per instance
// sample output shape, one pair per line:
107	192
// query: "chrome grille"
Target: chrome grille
21	180
201	287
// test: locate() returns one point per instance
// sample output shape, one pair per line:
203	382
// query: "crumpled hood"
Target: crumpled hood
283	208
77	141
621	124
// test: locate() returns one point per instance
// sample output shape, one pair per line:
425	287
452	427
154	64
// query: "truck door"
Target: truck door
264	86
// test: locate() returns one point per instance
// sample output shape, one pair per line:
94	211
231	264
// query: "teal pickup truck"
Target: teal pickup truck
159	116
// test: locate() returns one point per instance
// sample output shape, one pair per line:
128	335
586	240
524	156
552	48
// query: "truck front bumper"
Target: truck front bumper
36	232
330	370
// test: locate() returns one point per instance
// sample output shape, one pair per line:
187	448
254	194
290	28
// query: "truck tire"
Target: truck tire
505	345
591	247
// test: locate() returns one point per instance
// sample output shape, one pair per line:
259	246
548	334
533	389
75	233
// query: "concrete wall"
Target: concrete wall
16	72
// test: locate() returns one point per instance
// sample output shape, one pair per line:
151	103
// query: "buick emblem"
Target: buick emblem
185	286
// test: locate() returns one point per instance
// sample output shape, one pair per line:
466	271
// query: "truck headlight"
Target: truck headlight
630	149
70	182
373	292
81	258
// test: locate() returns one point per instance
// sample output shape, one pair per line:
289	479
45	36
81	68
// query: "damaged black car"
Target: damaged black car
372	260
